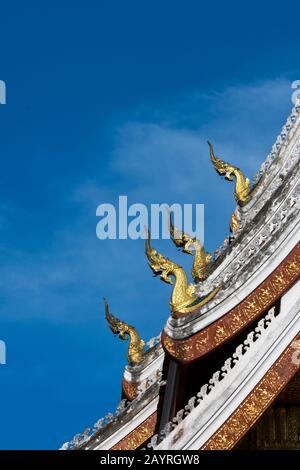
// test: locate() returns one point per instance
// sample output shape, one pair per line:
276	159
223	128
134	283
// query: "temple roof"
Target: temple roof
269	223
256	266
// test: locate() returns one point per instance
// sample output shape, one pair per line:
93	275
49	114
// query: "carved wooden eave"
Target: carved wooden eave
238	394
257	402
139	435
239	317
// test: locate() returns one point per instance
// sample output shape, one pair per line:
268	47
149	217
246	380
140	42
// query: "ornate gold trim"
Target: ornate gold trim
139	435
256	403
129	389
237	319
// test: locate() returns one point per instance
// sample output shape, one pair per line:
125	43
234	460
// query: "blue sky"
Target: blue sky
104	99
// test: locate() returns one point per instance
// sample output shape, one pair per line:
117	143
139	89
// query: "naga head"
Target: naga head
181	239
185	241
117	326
126	332
159	264
221	167
242	185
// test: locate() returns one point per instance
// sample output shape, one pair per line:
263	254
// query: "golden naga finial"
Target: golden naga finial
184	300
136	348
191	245
242	185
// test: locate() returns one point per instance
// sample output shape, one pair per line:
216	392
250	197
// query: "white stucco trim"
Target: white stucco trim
206	418
123	431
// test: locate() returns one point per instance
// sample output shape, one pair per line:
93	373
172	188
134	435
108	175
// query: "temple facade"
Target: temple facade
225	372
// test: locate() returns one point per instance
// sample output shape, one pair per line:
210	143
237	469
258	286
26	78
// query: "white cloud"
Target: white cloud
240	121
153	160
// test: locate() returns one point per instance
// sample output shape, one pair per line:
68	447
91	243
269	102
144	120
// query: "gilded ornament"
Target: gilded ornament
136	348
242	184
235	223
184	299
191	246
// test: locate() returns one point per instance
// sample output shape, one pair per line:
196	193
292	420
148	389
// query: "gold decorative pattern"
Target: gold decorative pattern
256	403
139	435
262	298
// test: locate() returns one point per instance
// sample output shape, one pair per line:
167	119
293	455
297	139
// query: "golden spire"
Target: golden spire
126	332
242	184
